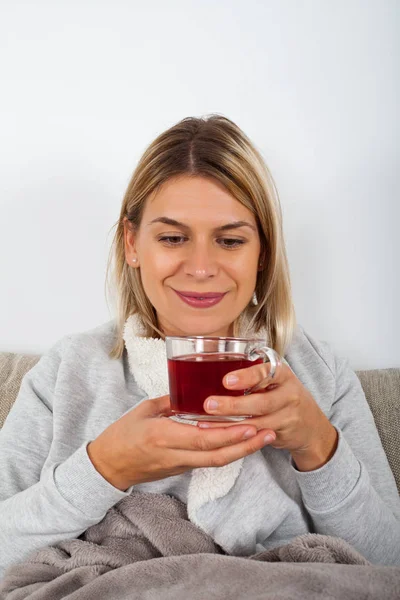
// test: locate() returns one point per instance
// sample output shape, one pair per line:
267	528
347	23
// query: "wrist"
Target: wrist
105	470
318	453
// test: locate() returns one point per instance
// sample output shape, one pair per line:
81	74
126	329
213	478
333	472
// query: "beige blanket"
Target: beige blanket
145	548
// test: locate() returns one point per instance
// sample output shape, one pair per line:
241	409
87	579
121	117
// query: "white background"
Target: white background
86	85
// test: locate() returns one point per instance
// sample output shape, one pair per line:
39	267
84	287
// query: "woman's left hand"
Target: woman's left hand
286	407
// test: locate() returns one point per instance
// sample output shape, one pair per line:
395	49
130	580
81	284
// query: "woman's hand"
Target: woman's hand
143	445
285	407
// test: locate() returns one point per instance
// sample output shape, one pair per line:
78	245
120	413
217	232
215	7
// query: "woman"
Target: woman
200	215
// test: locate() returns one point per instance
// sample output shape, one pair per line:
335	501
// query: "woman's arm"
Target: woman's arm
42	503
354	495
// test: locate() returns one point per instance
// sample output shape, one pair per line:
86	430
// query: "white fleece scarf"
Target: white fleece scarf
148	364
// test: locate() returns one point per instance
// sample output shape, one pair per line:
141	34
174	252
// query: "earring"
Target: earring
134	260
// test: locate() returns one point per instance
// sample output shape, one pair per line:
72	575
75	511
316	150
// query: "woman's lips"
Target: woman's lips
197	303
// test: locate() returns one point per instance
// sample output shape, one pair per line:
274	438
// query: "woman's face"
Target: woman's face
195	255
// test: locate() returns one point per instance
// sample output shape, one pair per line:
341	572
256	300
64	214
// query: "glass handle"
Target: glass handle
270	355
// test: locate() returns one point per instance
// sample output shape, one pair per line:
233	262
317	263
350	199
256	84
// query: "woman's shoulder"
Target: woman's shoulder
88	345
315	364
72	355
102	336
306	349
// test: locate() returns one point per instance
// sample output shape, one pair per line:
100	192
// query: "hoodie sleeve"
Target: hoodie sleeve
354	496
40	507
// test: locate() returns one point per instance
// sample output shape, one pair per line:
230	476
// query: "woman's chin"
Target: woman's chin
189	327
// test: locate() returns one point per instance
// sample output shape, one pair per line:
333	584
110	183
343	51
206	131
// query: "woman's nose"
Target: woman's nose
201	265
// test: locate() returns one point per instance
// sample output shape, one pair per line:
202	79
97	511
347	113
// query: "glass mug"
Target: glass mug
197	365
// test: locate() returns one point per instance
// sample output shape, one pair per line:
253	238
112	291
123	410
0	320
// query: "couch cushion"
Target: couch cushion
12	369
382	390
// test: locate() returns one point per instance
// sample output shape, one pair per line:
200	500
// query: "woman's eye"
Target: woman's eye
173	240
169	238
235	244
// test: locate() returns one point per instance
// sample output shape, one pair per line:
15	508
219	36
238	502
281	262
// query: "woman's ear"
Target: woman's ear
130	244
262	260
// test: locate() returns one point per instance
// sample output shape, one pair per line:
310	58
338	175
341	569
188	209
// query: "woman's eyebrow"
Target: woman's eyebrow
233	225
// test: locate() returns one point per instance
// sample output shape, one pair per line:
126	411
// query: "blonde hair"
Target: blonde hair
215	147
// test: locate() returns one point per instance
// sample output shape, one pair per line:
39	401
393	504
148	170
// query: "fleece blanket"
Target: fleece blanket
145	548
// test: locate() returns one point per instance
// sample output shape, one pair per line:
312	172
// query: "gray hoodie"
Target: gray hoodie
50	490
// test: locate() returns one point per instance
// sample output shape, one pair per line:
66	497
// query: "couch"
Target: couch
381	388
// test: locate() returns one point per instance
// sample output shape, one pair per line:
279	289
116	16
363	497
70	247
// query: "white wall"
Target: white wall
87	85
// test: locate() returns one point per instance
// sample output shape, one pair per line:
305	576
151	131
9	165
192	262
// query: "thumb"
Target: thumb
156	407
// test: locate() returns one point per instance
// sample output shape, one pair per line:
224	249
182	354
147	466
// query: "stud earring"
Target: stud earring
134	260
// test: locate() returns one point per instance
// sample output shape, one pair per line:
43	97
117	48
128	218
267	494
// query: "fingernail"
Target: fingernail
212	404
232	379
269	438
249	433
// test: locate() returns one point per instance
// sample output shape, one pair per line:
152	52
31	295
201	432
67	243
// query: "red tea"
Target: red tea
194	377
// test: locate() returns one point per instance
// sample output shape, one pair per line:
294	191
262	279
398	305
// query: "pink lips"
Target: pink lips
200	300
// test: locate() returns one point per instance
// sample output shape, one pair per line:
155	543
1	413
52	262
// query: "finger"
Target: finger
182	436
155	407
250	376
224	424
276	422
227	454
257	404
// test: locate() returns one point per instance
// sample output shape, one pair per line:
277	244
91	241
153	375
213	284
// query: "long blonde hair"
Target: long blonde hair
211	146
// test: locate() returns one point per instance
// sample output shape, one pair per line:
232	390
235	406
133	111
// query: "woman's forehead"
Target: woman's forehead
196	198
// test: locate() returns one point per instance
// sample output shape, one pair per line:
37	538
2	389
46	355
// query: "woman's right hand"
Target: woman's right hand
143	445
